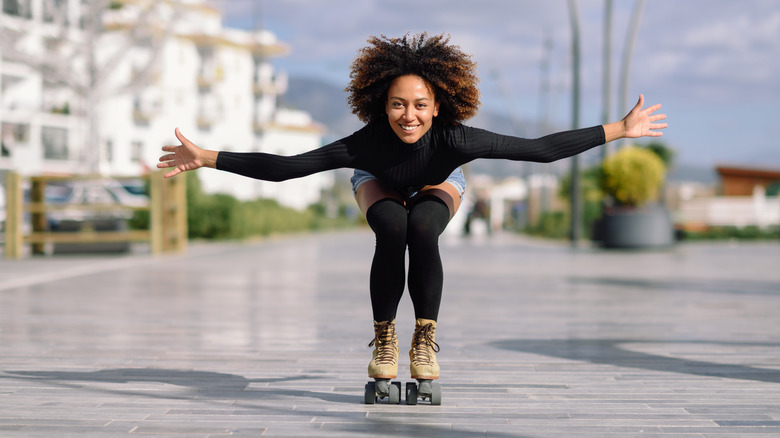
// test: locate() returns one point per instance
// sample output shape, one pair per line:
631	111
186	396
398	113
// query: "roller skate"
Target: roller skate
384	365
423	364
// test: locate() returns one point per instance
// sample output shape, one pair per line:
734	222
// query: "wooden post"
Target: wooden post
156	209
168	215
179	215
14	238
38	218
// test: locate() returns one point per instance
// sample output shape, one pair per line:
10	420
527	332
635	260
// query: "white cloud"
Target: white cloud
689	54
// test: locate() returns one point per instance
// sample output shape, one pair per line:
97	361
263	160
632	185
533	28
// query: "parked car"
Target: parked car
128	192
100	192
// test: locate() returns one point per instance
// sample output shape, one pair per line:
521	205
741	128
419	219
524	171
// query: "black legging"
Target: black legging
419	228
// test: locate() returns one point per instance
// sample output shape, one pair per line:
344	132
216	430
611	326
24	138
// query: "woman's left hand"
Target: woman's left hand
641	122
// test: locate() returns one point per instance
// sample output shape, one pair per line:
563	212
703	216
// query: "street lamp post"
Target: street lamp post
576	210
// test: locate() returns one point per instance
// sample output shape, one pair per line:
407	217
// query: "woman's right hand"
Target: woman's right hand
186	156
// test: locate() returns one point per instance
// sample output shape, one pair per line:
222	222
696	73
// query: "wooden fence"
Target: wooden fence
167	208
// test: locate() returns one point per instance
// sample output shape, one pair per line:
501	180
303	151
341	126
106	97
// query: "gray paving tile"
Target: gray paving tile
538	340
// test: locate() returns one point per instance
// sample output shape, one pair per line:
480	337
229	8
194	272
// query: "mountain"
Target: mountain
326	102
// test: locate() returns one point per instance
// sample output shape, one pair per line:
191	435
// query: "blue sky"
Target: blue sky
713	64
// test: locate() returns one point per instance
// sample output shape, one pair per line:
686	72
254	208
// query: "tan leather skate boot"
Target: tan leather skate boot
384	360
424	349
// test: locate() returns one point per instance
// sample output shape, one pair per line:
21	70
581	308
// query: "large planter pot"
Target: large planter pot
636	228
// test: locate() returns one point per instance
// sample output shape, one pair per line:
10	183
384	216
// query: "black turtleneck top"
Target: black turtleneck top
376	149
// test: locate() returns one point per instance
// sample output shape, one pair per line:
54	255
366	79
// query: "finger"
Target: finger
172	173
657	117
640	102
659	125
653	108
166	165
181	137
170	148
168	157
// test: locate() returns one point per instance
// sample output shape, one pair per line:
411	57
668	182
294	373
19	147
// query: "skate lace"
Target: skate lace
424	345
383	339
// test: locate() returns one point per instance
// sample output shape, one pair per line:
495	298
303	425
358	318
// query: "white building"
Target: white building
157	65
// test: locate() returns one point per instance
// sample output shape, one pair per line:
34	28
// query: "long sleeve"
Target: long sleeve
271	167
478	143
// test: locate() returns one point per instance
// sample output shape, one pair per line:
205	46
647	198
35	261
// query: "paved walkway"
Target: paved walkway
270	338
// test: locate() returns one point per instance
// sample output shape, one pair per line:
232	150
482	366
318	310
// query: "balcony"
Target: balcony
208	115
208	77
266	82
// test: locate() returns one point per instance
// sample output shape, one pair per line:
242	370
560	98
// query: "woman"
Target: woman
412	93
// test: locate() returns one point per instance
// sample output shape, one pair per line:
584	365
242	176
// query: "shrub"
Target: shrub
633	176
552	224
220	216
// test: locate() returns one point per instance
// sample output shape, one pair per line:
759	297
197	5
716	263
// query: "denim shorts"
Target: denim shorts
456	179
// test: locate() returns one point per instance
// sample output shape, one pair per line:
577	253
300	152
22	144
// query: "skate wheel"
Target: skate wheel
411	393
382	387
394	393
370	395
435	394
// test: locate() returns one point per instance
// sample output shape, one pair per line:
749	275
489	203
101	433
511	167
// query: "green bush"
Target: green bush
740	233
592	197
220	216
552	224
633	176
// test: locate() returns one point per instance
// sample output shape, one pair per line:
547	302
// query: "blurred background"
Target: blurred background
96	87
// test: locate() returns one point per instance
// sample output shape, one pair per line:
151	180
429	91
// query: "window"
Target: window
109	151
19	8
15	133
55	11
136	151
12	136
55	143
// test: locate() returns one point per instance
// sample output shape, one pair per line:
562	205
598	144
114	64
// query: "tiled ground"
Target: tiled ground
270	338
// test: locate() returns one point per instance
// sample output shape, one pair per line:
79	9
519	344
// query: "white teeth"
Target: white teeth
408	128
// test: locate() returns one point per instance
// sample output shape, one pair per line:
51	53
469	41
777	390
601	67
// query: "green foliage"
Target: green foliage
64	109
627	168
590	185
592	198
220	216
552	224
665	153
633	176
140	220
740	233
264	217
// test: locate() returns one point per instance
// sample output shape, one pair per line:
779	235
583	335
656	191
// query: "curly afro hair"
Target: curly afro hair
449	72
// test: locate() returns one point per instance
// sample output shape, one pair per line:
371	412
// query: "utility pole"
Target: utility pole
543	113
576	210
633	28
607	71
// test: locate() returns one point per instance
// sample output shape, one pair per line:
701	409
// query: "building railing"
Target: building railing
729	211
167	231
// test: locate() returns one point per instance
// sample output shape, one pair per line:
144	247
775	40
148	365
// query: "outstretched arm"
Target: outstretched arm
186	156
258	165
638	123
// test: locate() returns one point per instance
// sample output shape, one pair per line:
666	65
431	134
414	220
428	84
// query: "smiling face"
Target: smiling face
411	107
